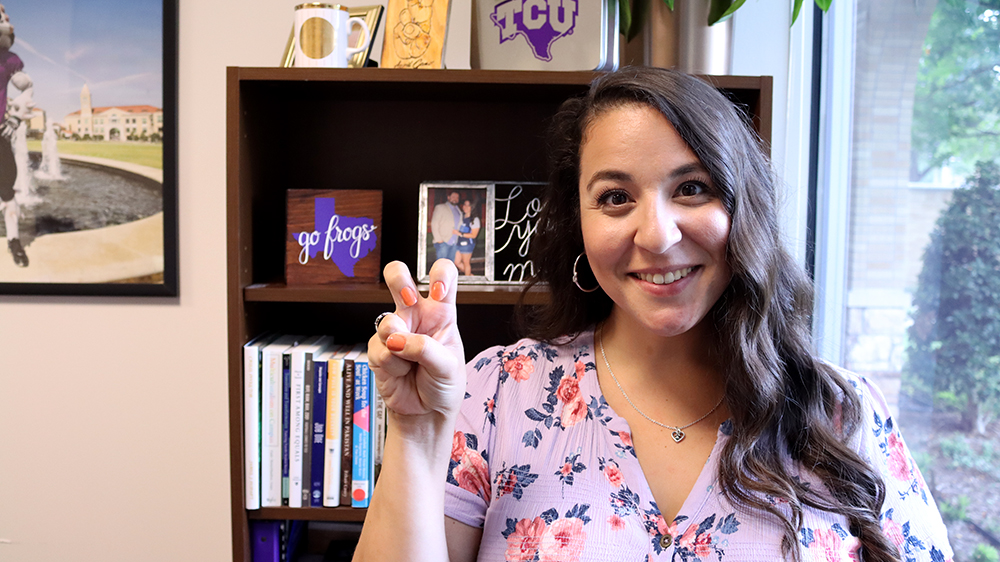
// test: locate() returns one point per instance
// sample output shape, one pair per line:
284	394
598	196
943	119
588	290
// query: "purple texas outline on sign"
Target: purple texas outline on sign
345	240
541	22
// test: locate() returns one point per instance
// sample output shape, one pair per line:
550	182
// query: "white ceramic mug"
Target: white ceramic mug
321	32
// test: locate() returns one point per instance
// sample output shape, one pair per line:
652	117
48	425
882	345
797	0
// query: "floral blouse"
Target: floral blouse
543	465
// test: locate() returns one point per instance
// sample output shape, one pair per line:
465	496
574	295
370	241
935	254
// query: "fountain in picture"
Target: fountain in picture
50	168
23	106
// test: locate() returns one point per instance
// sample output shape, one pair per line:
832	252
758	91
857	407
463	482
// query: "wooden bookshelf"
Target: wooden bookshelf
375	129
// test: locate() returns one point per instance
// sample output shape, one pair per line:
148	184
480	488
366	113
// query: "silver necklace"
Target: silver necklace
678	432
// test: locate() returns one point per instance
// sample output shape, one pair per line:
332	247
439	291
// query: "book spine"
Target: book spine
305	480
251	425
335	405
286	411
318	435
347	433
293	532
361	464
270	451
378	434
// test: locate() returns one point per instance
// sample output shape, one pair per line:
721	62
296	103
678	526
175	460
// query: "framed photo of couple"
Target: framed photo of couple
484	227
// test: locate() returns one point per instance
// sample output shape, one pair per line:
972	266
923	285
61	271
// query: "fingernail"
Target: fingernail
438	291
409	296
395	342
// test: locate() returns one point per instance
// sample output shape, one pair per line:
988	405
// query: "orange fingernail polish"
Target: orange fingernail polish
395	342
409	296
438	291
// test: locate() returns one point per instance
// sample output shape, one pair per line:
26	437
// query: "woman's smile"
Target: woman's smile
664	279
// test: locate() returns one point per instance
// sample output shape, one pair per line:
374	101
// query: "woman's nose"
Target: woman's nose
657	230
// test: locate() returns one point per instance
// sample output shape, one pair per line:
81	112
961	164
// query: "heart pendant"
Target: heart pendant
678	435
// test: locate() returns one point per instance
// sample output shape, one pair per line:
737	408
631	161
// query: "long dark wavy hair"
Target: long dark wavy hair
783	400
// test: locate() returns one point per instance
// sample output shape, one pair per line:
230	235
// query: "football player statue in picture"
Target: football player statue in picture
11	71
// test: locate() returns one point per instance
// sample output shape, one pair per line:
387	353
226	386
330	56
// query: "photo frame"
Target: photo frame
515	219
94	210
372	15
442	205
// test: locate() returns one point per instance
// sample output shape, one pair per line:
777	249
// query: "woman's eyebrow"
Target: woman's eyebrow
622	176
612	175
691	168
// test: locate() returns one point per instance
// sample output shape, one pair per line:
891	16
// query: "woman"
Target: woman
467	233
669	405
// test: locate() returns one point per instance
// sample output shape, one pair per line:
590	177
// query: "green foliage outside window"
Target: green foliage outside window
956	108
985	553
954	342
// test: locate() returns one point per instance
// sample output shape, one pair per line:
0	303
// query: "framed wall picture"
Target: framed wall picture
514	222
454	224
88	148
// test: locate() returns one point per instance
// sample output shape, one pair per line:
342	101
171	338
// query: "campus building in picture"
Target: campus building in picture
117	122
37	122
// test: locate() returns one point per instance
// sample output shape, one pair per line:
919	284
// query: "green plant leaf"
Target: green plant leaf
640	12
625	17
721	10
796	9
823	5
670	4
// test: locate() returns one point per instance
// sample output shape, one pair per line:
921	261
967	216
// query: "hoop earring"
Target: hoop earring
576	280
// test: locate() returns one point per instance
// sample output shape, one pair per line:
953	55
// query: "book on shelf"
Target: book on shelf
334	427
286	420
347	425
312	488
378	432
292	535
362	454
309	450
301	399
272	406
251	417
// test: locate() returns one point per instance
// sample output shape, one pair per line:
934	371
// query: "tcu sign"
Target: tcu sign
541	22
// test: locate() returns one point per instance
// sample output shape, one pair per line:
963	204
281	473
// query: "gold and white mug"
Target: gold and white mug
321	32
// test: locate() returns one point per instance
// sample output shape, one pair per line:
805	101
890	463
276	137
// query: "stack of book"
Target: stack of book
314	423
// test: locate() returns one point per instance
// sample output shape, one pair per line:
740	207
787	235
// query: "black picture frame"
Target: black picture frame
516	207
165	284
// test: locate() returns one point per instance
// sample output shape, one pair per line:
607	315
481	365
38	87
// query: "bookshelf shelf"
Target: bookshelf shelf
308	513
351	129
379	293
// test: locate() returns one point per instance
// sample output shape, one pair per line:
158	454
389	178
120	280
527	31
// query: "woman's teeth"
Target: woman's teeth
667	279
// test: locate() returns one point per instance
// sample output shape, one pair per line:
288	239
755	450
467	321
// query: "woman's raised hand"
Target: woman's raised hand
416	353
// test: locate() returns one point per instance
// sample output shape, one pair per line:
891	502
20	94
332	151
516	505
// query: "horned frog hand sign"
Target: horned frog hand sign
416	354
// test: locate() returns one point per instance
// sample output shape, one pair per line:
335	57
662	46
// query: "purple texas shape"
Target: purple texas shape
325	211
540	21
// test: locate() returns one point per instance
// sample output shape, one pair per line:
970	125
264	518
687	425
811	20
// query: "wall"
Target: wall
113	412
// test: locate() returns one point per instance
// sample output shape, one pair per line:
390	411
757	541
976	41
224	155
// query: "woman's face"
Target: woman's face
467	208
654	231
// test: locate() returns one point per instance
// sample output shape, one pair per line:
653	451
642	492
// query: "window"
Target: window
919	253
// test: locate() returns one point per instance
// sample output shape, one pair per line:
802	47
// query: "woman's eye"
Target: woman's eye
690	189
614	198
